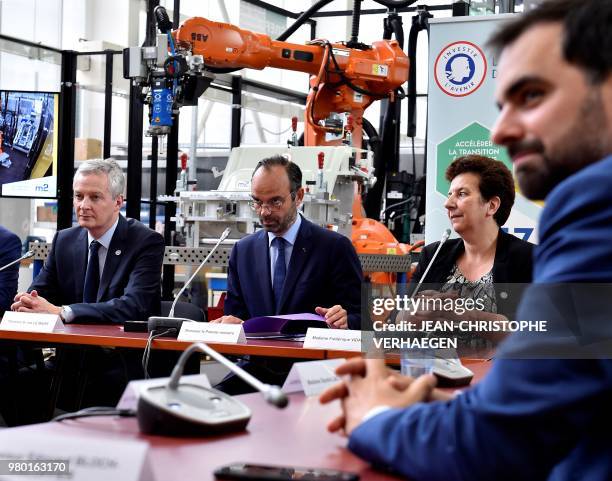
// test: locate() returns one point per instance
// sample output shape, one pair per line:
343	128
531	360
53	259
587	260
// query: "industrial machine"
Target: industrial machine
330	175
346	77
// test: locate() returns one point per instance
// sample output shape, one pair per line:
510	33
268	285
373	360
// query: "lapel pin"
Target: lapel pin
304	250
117	252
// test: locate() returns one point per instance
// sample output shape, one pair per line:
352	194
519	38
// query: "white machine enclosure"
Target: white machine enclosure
203	215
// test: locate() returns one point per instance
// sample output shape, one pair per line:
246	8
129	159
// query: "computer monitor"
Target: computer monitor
28	144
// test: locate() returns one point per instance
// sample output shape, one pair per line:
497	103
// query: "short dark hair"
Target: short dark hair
293	171
495	180
587	35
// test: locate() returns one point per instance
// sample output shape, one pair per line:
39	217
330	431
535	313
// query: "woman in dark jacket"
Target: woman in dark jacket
484	262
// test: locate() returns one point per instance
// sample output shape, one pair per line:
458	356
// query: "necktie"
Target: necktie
92	276
280	270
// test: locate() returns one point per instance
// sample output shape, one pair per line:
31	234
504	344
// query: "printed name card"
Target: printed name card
129	398
337	339
54	456
212	332
30	322
312	377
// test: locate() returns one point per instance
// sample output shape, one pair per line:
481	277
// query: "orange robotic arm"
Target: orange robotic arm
344	79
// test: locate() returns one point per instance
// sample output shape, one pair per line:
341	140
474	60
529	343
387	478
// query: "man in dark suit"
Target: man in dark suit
545	418
106	270
10	249
290	266
124	281
320	271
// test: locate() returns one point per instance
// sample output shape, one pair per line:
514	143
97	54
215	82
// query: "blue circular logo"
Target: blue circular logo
460	69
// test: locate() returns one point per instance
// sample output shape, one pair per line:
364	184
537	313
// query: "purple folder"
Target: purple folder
286	325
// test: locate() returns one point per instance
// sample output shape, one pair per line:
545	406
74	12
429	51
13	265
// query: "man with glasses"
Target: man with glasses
291	265
543	410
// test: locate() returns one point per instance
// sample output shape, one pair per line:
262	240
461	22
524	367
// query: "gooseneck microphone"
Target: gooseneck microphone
224	235
27	255
157	322
443	239
184	409
272	394
446	364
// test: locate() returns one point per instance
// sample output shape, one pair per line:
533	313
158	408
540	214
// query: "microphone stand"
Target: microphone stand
444	238
272	394
159	322
27	255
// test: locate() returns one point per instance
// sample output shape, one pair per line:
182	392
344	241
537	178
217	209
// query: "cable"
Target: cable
346	81
276	133
154	334
311	100
413	160
96	411
264	129
302	19
329	53
355	23
397	204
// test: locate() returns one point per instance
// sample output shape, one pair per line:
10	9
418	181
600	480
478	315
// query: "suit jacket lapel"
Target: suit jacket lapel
299	256
80	253
262	268
113	260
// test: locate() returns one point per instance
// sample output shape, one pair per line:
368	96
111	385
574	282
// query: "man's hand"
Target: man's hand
336	317
32	302
372	384
228	320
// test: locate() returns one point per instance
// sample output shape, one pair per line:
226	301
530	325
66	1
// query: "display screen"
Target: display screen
28	144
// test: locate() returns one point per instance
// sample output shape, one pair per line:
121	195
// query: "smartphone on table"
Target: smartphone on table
260	472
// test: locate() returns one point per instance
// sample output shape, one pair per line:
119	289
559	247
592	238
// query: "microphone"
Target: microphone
27	255
272	394
447	367
191	410
444	238
157	322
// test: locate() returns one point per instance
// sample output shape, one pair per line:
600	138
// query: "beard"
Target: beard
585	142
278	224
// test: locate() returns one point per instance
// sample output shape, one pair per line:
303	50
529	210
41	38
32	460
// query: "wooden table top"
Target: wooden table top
295	436
105	335
114	336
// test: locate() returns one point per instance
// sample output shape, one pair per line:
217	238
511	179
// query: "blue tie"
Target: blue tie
92	276
280	270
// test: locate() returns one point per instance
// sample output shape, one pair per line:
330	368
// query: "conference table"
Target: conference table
113	336
105	335
294	436
90	335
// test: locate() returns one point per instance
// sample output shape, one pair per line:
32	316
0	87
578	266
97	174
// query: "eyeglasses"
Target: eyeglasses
272	206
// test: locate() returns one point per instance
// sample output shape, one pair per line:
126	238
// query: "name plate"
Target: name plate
212	332
30	322
51	456
129	398
312	377
337	339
